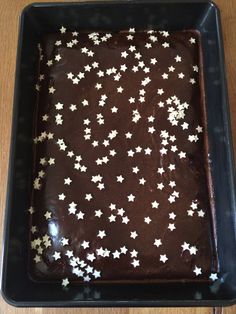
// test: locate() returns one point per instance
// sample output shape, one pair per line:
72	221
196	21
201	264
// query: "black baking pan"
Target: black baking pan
40	18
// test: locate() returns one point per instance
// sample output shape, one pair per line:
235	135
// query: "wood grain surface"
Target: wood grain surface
9	14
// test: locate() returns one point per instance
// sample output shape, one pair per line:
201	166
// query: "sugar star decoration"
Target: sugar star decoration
131	198
147	220
171	227
48	215
67	181
172	215
155	204
135	263
56	255
116	254
133	234
160	186
197	270
147	151
101	234
51	90
88	197
37	259
31	210
64	241
65	282
62	29
213	276
85	244
98	213
120	178
163	258
80	215
142	181
123	250
157	242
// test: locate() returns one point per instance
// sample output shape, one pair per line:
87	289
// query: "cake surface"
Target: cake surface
121	186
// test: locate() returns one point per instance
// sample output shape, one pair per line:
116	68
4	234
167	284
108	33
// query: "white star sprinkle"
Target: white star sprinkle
142	181
133	234
185	246
147	151
197	271
131	198
48	215
213	276
192	40
147	220
163	258
101	234
135	263
88	197
120	178
157	242
65	282
172	215
85	244
155	204
67	181
178	58
62	29
56	255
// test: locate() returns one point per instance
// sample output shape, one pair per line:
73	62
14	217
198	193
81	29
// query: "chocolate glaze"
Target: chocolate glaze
190	174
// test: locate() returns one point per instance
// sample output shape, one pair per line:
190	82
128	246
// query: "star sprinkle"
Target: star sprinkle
213	276
61	197
155	204
62	29
163	258
147	220
88	197
101	234
185	246
85	244
131	198
192	40
72	208
178	58
133	234
135	263
65	282
64	241
51	90
133	253
142	181
98	213
157	242
172	215
120	178
48	215
147	151
56	255
80	215
116	254
197	271
67	181
171	227
37	259
31	210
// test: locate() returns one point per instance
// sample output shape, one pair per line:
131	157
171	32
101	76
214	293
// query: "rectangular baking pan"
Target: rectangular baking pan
40	18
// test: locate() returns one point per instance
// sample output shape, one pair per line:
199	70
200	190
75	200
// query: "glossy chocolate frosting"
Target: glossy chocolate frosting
120	119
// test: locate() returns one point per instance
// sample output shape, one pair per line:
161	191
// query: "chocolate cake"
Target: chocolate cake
121	182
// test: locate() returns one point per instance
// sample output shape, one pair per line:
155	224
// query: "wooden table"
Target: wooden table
9	13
